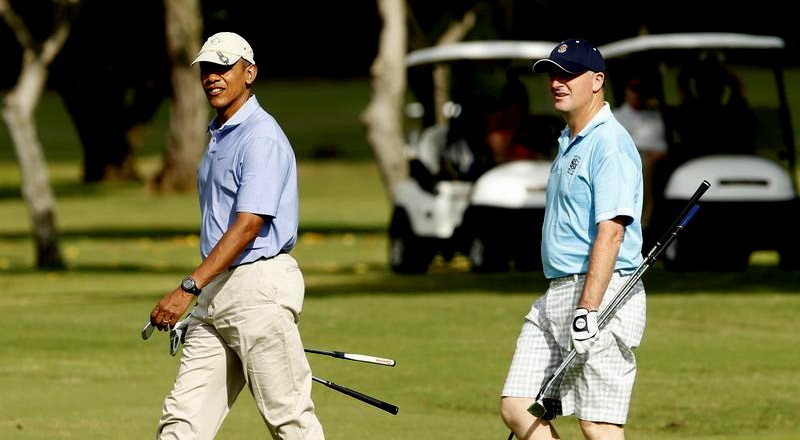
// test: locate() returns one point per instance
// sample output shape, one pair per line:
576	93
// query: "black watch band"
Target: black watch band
189	285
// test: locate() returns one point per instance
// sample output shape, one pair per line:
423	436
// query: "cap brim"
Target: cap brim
547	65
217	57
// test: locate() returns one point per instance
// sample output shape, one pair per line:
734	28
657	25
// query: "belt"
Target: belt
258	259
578	276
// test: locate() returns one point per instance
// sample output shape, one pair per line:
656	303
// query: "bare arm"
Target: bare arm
601	262
233	242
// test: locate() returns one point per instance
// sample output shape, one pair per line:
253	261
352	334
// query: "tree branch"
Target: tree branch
17	25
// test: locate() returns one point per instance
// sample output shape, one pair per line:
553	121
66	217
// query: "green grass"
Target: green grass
718	361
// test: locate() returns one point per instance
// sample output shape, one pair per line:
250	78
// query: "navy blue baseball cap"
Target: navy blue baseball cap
573	56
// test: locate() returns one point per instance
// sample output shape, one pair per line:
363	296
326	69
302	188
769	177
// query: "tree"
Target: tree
383	115
18	112
186	142
108	63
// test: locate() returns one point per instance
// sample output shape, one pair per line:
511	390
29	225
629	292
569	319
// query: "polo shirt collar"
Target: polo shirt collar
601	117
241	115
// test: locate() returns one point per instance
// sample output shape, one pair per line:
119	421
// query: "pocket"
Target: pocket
558	307
293	287
266	284
281	281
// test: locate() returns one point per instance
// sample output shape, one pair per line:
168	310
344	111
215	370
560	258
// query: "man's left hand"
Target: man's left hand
584	329
171	307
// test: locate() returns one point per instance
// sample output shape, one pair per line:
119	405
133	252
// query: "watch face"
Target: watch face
188	284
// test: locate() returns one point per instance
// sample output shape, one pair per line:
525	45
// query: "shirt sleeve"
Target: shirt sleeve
264	169
614	187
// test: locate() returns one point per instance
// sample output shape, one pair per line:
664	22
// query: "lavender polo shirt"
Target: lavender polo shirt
249	166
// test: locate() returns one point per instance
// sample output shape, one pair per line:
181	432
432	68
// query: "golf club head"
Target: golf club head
147	331
545	409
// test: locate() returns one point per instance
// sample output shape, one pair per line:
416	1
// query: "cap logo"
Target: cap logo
223	58
562	48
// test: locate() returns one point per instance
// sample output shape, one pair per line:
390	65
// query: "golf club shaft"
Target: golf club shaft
684	218
388	407
669	236
354	357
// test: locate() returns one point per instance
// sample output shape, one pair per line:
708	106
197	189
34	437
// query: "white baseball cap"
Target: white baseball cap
225	48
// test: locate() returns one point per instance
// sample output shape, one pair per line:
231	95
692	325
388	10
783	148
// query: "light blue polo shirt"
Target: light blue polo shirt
595	177
249	166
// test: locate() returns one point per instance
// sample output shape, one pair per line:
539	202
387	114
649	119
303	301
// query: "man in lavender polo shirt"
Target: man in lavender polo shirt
249	290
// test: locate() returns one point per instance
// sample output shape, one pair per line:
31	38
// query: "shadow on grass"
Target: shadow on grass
657	280
110	269
171	232
376	279
64	190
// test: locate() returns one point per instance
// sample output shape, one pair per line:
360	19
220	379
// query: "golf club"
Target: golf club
147	331
354	357
548	408
176	338
388	407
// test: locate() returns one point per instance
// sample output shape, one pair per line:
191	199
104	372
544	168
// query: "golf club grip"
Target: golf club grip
388	407
689	206
354	357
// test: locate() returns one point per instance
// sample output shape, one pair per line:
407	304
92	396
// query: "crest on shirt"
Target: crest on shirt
573	164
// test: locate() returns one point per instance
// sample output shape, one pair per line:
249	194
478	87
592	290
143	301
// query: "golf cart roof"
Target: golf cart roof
701	40
481	50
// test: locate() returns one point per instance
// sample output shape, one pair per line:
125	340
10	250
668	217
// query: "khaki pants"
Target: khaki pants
243	331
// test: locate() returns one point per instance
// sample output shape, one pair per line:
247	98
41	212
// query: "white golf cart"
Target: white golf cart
474	190
747	153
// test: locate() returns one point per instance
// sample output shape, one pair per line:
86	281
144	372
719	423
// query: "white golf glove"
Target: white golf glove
584	329
177	335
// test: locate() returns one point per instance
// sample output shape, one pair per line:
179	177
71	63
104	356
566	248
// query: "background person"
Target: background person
712	96
591	242
249	290
513	133
640	115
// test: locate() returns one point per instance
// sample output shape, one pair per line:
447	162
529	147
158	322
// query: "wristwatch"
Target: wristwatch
189	285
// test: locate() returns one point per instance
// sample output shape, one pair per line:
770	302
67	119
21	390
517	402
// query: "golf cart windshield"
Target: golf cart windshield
474	105
719	93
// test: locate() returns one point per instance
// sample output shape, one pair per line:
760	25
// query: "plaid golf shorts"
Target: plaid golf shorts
597	386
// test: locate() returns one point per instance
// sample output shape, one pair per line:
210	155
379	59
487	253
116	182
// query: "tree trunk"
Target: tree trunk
456	31
383	117
36	191
18	113
188	117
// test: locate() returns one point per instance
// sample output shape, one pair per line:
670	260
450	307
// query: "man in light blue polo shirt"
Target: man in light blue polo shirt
249	290
591	241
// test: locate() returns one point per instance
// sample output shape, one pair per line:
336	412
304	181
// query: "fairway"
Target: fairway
719	359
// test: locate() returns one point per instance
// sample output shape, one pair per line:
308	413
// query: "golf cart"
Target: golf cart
740	140
479	158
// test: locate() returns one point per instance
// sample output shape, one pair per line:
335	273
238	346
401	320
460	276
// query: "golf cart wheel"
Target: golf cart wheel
678	257
528	257
682	257
487	256
408	254
789	259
